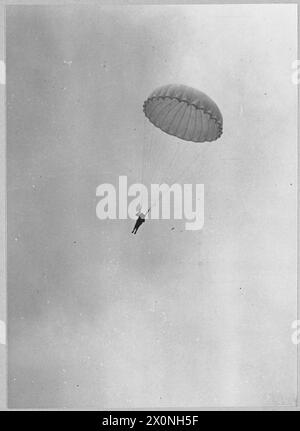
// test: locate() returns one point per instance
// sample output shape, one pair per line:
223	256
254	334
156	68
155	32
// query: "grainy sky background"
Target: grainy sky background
97	317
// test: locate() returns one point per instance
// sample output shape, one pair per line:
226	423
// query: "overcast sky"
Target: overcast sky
167	318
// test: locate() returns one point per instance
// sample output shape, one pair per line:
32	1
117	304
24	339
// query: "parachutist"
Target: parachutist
139	222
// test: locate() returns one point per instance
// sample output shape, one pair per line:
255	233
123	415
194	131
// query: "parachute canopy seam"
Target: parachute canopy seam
202	108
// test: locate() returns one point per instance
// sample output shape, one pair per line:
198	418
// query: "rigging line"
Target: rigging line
167	177
147	143
179	156
168	170
168	111
173	158
145	158
143	153
148	147
161	123
180	150
183	148
152	146
201	154
149	154
177	179
157	152
157	164
142	150
182	172
191	166
183	144
160	146
171	108
177	127
188	165
179	108
166	173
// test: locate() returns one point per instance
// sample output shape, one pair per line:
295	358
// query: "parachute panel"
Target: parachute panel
184	112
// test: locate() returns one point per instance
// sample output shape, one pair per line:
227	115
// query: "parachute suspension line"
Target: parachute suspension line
165	172
181	153
160	169
170	107
180	148
150	151
177	179
143	151
179	110
159	179
156	163
147	141
183	146
171	164
191	166
145	157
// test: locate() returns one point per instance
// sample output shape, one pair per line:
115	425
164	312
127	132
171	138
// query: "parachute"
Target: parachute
185	114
